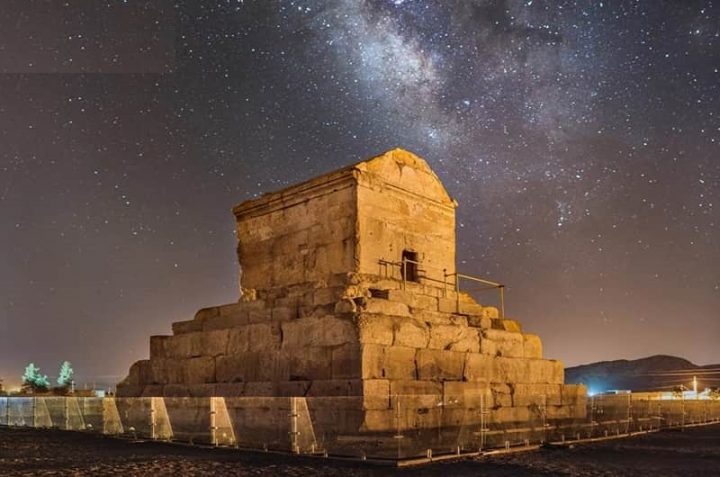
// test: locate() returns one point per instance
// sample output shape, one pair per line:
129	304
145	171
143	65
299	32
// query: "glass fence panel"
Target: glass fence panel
4	411
371	427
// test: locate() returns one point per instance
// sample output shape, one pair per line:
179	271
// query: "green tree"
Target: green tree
65	378
33	380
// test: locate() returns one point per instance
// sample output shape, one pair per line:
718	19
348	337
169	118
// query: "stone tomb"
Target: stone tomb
347	289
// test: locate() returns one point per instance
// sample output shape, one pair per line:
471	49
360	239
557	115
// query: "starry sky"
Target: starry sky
580	138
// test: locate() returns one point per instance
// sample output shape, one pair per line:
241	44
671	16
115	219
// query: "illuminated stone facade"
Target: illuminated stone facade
325	310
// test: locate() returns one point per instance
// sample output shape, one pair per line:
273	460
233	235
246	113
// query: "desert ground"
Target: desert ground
694	451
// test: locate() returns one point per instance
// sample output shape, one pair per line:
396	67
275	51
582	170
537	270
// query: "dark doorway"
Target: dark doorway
409	268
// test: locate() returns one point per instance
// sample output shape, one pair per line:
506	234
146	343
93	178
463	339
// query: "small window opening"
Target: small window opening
409	268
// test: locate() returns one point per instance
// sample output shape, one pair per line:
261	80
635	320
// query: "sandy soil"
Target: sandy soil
47	452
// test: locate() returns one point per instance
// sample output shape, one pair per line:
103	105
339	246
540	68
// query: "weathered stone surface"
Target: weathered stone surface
502	394
157	346
208	312
415	388
372	361
187	345
479	321
215	342
346	362
399	363
532	347
260	337
375	329
385	307
478	367
309	363
200	370
536	394
440	365
507	344
318	331
465	395
411	333
180	327
413	300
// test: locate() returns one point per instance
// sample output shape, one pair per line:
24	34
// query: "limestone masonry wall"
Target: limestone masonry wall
321	316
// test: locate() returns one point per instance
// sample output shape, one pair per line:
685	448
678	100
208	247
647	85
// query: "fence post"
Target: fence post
152	419
213	425
502	301
294	426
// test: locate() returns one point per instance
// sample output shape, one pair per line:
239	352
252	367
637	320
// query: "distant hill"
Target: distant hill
655	373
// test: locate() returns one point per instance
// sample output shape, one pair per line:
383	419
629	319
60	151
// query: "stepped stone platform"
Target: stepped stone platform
348	289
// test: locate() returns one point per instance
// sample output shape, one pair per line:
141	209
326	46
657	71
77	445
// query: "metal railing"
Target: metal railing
455	283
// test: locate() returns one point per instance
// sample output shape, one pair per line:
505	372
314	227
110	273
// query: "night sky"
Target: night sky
581	140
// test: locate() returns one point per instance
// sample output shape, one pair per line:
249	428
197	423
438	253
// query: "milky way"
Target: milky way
581	140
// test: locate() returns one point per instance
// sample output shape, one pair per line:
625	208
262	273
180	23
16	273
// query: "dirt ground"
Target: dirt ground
695	451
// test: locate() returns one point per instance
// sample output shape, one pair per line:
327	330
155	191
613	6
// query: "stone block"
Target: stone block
442	336
467	395
506	415
440	365
187	345
200	370
413	300
536	394
260	337
469	342
375	329
221	322
573	394
376	393
318	331
385	307
137	374
251	366
293	388
479	321
284	313
175	390
511	325
512	370
152	390
432	317
335	387
378	420
545	371
346	362
372	360
507	344
502	394
208	312
230	389
309	363
532	346
214	342
411	333
180	327
488	347
478	368
201	390
416	388
328	295
447	305
490	312
157	346
260	388
399	363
